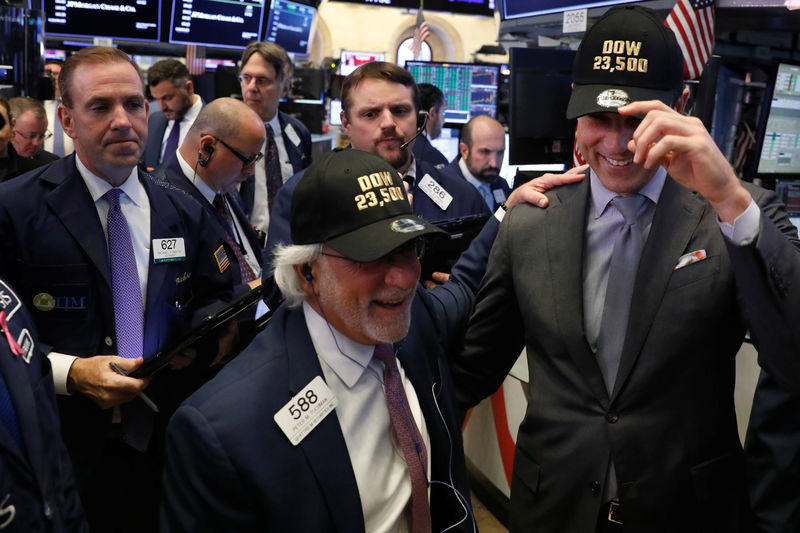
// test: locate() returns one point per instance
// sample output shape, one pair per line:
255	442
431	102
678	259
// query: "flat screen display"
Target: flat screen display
222	23
469	89
780	148
512	9
134	20
468	7
289	25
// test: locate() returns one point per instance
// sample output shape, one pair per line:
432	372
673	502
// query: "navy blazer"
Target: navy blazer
423	150
271	485
500	184
37	481
54	251
299	155
172	173
669	423
156	125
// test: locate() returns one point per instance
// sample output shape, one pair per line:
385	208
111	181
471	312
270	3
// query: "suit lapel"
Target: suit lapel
72	203
325	448
565	230
677	215
292	150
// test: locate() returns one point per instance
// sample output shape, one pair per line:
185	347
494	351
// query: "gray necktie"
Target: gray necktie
621	277
58	132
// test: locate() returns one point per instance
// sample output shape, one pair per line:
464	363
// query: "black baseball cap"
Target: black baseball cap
354	202
627	55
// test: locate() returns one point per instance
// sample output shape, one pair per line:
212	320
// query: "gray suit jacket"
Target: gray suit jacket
669	424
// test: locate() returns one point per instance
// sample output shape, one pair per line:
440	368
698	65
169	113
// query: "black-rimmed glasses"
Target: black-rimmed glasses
246	161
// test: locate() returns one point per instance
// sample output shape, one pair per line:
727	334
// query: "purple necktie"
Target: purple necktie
409	438
172	139
128	314
244	267
272	167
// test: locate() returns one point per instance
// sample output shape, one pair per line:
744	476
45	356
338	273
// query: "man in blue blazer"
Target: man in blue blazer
36	479
218	154
172	88
632	315
483	143
93	307
266	76
352	278
432	101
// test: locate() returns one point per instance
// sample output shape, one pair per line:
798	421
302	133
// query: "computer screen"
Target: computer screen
780	140
352	60
289	25
335	112
511	9
467	7
135	20
220	23
55	54
469	89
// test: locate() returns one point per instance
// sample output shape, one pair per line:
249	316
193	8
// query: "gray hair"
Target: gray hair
286	256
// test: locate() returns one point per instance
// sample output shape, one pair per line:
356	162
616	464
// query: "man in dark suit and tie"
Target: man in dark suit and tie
218	154
172	88
632	293
389	456
37	483
483	143
115	267
266	76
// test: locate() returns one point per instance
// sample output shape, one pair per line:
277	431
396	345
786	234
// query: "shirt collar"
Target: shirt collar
412	169
97	186
602	196
207	192
331	347
275	124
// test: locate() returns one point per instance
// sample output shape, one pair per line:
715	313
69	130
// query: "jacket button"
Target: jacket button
595	487
109	341
48	510
611	418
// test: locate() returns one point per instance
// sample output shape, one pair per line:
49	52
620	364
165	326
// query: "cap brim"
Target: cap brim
586	99
378	239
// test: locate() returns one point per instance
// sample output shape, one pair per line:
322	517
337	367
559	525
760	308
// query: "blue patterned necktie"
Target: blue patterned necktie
172	139
128	313
272	168
409	438
486	192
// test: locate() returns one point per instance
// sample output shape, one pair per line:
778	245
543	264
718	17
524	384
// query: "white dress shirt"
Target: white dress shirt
260	215
356	380
185	124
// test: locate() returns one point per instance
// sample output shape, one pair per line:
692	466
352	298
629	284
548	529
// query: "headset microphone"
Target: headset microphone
307	272
203	161
422	120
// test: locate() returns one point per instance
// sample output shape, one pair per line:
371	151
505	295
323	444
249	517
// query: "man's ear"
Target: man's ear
189	86
463	149
64	114
304	281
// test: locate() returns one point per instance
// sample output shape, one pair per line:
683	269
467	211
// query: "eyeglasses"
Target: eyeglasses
33	136
261	82
412	250
246	161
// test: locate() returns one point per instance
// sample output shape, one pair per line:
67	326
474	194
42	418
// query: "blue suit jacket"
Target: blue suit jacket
500	184
299	155
271	485
423	150
156	126
54	251
172	173
37	480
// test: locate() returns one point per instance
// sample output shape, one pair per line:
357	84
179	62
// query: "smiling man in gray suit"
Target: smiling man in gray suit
632	320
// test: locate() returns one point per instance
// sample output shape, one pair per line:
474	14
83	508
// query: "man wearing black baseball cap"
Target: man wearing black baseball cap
632	300
358	333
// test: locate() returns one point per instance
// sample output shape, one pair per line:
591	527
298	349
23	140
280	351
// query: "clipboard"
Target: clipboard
209	323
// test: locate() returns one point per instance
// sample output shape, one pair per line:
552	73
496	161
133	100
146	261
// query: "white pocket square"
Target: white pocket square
691	257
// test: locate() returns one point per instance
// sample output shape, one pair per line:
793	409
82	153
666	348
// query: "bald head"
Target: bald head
225	121
483	144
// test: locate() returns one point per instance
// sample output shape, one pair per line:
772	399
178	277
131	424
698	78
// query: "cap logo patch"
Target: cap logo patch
406	225
379	189
613	98
621	56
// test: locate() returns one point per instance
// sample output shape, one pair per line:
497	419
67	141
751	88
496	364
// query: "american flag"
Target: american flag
693	24
195	59
742	146
421	33
577	158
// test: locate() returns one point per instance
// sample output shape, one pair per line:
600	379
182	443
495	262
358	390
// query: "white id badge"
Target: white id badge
172	249
435	192
306	410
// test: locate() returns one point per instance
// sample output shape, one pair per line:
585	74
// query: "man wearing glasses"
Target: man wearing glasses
30	129
266	76
219	152
11	163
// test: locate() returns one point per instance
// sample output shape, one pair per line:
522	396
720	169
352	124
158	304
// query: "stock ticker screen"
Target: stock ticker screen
223	23
136	20
469	89
780	151
289	25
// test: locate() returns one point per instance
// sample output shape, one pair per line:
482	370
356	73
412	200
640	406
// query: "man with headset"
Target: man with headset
390	455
